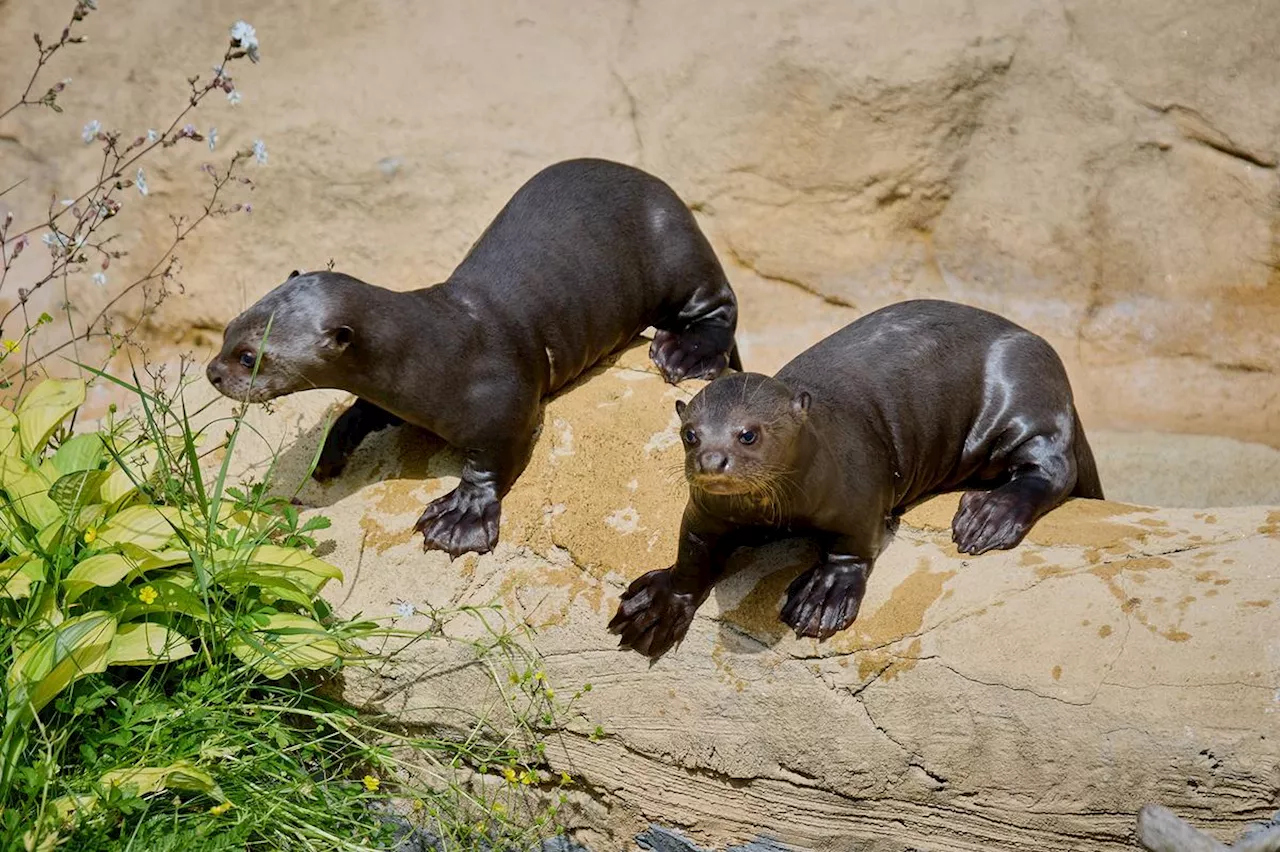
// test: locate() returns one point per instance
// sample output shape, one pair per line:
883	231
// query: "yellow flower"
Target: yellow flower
540	676
11	345
499	808
219	810
418	804
509	774
551	693
565	779
148	595
371	784
90	535
527	778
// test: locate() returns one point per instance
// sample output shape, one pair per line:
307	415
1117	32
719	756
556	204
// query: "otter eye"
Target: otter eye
746	436
247	360
690	437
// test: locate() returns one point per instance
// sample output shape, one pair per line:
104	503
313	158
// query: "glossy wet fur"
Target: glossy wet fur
584	256
912	400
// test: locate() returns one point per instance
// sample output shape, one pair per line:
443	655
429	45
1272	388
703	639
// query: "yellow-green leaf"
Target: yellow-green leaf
182	775
80	452
74	649
43	408
9	443
143	643
139	465
288	642
17	573
145	526
76	489
99	570
271	560
27	492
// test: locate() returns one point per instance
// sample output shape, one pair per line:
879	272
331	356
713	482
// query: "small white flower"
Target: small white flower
260	151
141	181
404	609
233	97
152	135
90	131
218	70
213	137
92	4
100	278
67	202
246	37
56	242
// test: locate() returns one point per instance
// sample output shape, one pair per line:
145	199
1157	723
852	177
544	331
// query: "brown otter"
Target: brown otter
584	257
912	400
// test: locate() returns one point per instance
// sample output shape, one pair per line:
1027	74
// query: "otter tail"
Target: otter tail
735	361
1088	484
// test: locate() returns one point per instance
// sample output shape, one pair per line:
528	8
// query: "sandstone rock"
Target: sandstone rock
1034	698
1103	173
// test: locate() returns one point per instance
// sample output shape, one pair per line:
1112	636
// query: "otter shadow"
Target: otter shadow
752	590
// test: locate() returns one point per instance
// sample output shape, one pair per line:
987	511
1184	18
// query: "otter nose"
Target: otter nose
712	462
214	374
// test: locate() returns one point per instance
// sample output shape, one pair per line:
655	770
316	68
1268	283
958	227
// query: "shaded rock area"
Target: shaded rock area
1103	172
1028	699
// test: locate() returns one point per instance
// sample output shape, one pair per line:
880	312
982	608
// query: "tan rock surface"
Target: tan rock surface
1031	699
1104	173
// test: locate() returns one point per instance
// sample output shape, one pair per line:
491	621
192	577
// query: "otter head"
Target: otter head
741	434
290	340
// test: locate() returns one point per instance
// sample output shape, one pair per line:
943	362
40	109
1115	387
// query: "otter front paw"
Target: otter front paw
825	599
464	520
693	354
990	520
652	616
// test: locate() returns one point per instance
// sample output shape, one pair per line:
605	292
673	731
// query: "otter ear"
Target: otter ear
800	404
680	407
337	339
292	275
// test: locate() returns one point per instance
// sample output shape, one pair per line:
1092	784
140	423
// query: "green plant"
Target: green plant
113	555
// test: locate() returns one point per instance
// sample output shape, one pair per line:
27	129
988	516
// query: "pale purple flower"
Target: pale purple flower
245	36
90	131
233	97
141	181
100	278
404	609
213	137
260	151
152	135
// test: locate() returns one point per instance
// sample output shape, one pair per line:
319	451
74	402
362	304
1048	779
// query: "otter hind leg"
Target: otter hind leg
1042	474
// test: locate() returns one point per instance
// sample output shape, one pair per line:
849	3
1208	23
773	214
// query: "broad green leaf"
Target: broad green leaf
271	560
145	526
107	569
174	594
76	489
66	807
17	573
271	587
81	452
74	649
288	642
9	443
99	570
27	493
139	465
176	776
143	643
43	408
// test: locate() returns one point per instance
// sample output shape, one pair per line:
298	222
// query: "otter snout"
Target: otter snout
216	373
711	462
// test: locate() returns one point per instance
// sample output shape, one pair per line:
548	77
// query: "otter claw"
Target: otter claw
825	599
688	355
990	520
652	616
464	520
